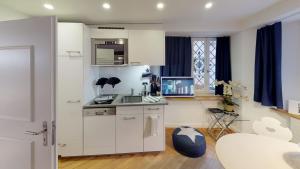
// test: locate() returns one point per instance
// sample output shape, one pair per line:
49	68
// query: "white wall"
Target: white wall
130	76
243	59
10	14
291	69
291	61
188	112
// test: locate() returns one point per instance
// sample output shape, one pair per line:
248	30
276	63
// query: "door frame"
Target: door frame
53	94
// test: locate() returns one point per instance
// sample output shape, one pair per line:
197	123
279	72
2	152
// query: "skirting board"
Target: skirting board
195	125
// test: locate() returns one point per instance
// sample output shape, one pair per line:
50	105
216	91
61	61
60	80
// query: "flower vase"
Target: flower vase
229	108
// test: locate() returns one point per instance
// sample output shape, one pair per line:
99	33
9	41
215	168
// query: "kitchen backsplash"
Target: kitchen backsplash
130	76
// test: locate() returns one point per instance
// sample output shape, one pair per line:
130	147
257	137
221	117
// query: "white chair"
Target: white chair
271	127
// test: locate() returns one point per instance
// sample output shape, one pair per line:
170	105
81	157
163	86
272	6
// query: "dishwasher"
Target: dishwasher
99	126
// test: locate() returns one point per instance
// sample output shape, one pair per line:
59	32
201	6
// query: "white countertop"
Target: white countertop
117	102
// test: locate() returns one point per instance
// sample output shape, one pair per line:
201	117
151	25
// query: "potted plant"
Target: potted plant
231	90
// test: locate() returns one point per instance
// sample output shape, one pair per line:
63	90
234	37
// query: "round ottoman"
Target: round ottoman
189	142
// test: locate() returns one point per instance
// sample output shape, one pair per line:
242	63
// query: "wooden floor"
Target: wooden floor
169	159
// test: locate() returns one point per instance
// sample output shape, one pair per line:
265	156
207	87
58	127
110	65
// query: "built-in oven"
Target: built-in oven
109	51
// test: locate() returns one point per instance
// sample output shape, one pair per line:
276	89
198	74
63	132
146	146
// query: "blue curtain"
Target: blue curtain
223	63
178	57
268	87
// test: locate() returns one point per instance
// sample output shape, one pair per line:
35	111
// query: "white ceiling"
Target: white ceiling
179	12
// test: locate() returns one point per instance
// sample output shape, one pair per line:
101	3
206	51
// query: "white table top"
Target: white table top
250	151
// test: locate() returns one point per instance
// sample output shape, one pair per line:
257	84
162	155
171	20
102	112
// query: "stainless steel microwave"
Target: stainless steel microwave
109	51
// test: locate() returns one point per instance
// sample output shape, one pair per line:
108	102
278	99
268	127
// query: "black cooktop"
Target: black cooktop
104	102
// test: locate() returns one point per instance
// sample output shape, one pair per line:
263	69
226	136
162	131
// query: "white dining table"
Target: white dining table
251	151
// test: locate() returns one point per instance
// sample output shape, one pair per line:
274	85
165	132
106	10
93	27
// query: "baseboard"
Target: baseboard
195	125
235	129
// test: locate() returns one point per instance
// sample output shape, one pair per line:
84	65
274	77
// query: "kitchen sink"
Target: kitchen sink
131	99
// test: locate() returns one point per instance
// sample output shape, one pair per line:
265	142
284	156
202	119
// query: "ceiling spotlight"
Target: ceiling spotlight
208	5
160	5
48	6
106	5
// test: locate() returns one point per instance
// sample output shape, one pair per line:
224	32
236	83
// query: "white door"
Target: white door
27	73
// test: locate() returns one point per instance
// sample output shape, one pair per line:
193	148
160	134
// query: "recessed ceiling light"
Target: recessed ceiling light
48	6
106	5
208	5
160	5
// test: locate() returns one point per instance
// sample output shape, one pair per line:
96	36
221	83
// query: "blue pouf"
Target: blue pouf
183	141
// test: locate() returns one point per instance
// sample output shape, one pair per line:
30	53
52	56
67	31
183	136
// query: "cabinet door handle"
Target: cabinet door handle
77	52
128	118
153	108
71	101
73	51
135	63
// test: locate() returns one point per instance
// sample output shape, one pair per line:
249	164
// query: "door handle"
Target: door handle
153	108
34	133
128	118
44	132
71	101
135	63
70	52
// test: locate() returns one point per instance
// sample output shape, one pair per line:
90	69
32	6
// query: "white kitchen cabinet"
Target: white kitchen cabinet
69	105
70	39
154	130
146	47
129	129
108	33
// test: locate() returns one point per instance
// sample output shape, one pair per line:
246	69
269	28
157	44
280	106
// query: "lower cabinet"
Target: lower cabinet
154	130
129	129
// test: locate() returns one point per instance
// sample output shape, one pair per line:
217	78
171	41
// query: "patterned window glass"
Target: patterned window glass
204	63
199	63
212	64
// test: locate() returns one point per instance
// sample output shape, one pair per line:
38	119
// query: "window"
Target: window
204	63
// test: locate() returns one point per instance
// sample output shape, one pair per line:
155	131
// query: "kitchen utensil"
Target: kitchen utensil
102	81
113	81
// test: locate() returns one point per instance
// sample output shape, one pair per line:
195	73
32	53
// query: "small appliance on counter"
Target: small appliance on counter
144	92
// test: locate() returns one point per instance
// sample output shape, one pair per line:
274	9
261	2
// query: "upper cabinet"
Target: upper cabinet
70	39
108	33
146	47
